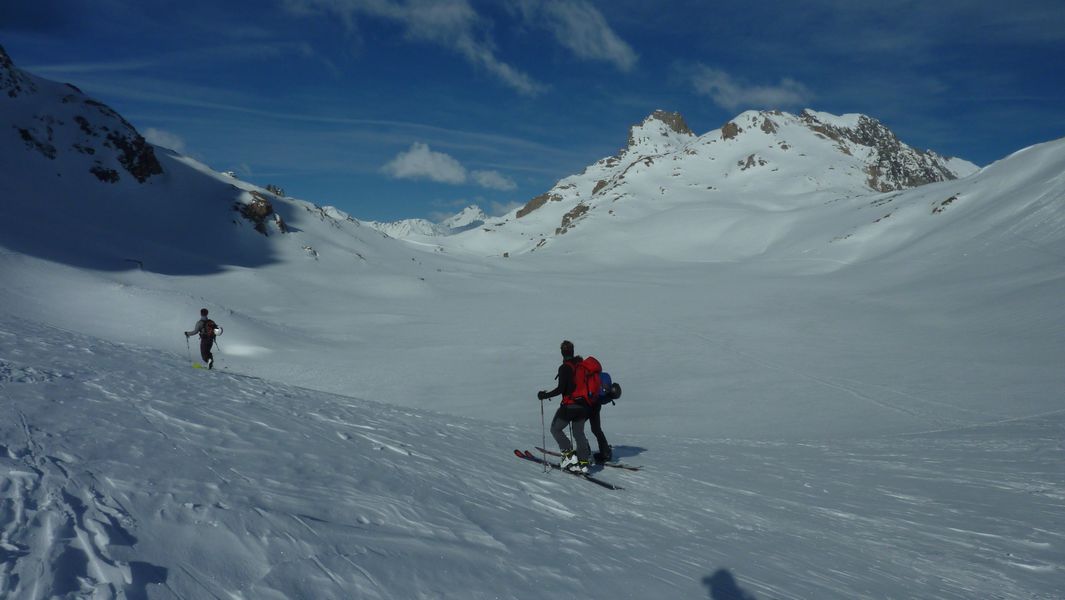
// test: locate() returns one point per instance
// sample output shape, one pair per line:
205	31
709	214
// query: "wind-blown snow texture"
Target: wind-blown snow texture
835	392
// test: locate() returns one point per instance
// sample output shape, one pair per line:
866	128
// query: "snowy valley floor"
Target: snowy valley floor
127	474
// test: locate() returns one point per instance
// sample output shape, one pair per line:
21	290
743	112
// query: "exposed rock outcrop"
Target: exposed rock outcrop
896	166
59	118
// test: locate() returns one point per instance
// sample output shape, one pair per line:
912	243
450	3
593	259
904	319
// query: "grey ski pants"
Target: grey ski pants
576	415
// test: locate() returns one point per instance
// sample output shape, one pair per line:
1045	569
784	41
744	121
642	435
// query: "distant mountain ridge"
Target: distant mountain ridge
468	218
771	159
875	159
82	187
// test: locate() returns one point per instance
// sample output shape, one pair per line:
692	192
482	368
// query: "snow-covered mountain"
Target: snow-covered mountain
468	218
773	160
77	172
407	228
61	124
835	391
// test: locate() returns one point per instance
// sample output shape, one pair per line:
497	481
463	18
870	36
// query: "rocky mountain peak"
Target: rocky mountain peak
674	120
13	82
467	218
661	131
5	61
61	122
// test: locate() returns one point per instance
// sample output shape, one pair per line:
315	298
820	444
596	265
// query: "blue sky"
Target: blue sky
394	109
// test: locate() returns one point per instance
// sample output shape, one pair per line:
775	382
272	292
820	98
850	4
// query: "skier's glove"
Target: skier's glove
542	394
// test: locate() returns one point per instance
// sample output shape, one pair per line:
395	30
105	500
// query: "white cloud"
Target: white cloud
165	139
732	94
452	24
580	27
494	180
421	162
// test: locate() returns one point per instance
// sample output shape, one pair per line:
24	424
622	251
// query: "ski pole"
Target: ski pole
188	349
543	434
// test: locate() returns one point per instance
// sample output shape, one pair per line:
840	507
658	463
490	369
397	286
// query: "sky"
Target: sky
394	109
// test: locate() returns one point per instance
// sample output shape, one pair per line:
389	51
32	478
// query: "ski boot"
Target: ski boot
569	461
604	456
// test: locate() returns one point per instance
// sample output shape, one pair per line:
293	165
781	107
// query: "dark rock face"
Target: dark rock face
260	212
136	155
133	153
536	203
897	165
674	121
569	218
13	82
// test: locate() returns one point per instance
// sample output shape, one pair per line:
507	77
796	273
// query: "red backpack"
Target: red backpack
586	382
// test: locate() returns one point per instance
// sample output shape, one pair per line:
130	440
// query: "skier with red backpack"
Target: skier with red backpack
578	379
207	329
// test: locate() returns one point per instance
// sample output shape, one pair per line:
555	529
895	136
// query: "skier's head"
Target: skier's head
203	312
567	349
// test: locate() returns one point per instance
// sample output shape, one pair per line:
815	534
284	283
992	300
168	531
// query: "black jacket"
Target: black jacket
565	377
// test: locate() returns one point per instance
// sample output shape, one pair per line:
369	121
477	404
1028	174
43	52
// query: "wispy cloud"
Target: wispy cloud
501	208
494	180
580	27
422	162
731	93
452	24
196	56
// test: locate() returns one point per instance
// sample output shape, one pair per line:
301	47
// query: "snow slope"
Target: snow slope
835	392
129	475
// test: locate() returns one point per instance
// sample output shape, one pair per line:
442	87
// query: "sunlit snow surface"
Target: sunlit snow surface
833	393
127	472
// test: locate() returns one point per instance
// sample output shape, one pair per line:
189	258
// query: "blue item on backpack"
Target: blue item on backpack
608	390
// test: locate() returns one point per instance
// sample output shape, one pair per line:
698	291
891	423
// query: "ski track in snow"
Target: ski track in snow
244	488
61	526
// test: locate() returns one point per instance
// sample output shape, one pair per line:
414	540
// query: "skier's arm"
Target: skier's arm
195	329
565	382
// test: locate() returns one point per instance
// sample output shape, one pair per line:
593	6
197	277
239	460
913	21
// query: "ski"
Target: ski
616	465
526	455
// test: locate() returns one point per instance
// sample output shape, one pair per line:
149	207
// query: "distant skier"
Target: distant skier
570	412
205	327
